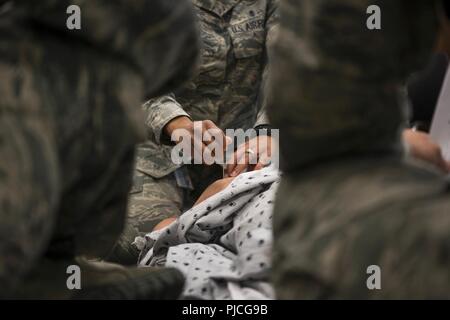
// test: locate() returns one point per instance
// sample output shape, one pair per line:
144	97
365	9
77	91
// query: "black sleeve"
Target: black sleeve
424	89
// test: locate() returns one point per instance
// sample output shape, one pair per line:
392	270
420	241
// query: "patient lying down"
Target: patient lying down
223	244
214	188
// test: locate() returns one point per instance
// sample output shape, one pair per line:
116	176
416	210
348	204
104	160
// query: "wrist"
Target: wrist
176	123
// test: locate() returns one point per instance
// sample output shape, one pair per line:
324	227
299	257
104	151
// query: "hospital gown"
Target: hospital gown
223	245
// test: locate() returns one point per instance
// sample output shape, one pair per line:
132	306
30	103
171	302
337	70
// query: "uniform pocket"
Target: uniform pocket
248	37
154	160
138	184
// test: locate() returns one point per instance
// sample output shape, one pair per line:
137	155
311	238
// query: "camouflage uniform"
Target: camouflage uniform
69	121
348	200
225	90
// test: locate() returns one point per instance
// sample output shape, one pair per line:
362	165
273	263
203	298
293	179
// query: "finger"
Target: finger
239	169
229	169
263	162
242	164
231	166
215	136
210	129
208	139
237	155
198	149
211	126
228	141
208	124
264	144
213	139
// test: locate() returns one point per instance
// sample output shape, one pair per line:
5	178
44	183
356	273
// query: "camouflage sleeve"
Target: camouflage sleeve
261	118
158	37
263	97
333	77
160	111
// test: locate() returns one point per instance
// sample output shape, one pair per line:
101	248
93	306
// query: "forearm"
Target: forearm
159	112
263	100
264	97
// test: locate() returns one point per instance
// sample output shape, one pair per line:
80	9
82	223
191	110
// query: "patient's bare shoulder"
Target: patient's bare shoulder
214	188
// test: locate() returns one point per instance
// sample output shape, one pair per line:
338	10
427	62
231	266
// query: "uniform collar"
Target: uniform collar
219	7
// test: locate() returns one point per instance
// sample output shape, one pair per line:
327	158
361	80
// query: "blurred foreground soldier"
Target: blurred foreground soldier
351	215
70	117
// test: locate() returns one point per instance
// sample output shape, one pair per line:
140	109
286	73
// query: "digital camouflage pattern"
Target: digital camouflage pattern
69	122
347	200
226	86
226	90
154	200
99	280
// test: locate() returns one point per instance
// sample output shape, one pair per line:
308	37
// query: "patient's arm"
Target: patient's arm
164	223
214	188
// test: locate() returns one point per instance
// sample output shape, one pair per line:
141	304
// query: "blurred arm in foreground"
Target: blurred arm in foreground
70	120
347	200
